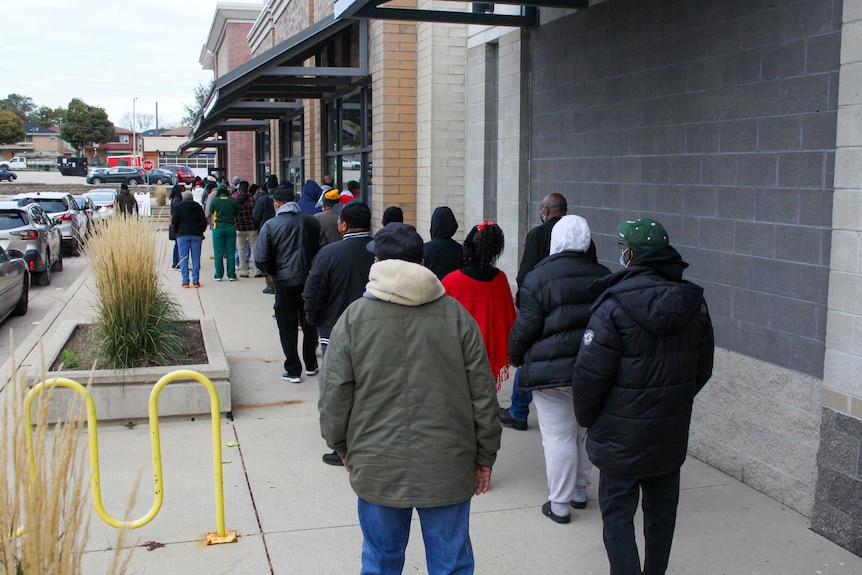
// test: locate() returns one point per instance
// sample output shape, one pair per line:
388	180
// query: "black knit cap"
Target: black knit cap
397	241
283	194
356	215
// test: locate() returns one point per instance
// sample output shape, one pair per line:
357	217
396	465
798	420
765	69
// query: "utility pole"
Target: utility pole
134	134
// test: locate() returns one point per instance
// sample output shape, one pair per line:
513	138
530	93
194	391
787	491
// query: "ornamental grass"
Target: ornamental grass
136	323
44	519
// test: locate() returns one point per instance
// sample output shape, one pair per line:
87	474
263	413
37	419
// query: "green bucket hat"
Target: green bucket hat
643	235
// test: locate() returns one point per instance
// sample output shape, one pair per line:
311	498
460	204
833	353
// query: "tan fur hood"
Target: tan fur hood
403	283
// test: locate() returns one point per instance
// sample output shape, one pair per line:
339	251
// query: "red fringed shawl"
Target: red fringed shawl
491	305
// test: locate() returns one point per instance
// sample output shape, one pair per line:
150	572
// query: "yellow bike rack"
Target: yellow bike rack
218	536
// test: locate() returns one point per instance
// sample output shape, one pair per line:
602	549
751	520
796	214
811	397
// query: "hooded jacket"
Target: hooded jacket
188	219
398	358
555	308
126	202
648	350
308	197
443	255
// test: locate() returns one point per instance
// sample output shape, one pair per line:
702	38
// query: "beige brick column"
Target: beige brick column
392	56
441	118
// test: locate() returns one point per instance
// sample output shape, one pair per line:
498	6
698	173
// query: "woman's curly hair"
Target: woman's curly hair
484	244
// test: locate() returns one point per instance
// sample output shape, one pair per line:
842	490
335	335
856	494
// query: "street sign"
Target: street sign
148	165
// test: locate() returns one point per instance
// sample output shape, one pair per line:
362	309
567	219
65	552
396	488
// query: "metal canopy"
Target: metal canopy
380	10
243	98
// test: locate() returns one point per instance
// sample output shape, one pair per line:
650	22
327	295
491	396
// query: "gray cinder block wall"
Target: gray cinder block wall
718	119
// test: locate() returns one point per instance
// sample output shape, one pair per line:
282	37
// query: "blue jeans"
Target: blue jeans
445	530
520	408
190	249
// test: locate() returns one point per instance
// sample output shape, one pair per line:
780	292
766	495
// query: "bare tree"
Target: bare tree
144	121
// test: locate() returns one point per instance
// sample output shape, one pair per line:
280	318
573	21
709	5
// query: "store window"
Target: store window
348	140
263	154
293	150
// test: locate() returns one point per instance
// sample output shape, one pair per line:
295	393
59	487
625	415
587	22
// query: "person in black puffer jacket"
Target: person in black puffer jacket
648	350
555	309
443	255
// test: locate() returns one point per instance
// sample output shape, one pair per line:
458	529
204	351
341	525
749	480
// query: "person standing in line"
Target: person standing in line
190	223
647	351
537	246
328	218
392	214
484	291
555	309
338	276
443	255
285	249
126	202
222	213
264	210
176	198
246	228
405	352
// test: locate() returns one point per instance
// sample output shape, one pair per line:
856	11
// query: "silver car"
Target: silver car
104	198
60	205
30	230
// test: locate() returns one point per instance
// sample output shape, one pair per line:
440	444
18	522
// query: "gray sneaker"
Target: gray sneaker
291	378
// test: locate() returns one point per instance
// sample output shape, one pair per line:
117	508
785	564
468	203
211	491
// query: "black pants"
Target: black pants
289	309
618	499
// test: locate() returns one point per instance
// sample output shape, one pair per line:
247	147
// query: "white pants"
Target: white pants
566	463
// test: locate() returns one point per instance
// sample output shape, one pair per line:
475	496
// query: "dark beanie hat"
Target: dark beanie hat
397	241
356	215
393	214
283	194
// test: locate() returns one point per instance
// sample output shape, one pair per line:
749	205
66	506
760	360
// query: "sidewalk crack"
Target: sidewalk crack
253	504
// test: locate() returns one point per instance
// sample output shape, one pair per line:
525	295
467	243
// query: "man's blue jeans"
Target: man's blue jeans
520	408
190	255
445	530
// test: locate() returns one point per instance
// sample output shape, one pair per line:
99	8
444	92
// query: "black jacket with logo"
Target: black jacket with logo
648	350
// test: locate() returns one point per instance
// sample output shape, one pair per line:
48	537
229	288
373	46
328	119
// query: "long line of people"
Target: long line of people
612	362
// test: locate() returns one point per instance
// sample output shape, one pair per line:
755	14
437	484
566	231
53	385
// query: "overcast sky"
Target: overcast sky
106	52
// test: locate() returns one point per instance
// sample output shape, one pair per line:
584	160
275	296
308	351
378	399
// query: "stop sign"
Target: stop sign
148	165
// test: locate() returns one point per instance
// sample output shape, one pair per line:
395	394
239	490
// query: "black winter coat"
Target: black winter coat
286	247
647	351
338	276
188	219
555	308
443	255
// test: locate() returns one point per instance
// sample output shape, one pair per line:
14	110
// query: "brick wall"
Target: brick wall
439	119
392	59
718	119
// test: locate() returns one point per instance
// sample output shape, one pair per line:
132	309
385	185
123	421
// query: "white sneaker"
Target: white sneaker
291	378
311	372
217	279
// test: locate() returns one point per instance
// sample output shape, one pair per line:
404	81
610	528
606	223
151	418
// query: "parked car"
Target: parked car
130	175
14	283
161	176
184	174
60	205
7	176
88	208
30	230
104	199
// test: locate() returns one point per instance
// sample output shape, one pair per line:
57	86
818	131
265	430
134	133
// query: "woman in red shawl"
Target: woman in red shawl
484	291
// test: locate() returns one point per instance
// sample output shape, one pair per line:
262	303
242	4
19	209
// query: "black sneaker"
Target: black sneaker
332	459
546	511
507	419
268	290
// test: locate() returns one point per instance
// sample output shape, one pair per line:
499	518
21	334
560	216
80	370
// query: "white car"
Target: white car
105	199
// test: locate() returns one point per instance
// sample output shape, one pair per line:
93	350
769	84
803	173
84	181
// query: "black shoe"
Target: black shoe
268	290
546	511
332	459
578	504
507	419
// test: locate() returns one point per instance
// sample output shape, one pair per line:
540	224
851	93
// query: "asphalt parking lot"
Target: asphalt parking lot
50	177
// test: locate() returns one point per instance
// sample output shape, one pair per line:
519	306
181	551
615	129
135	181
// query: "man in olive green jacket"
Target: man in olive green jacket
407	399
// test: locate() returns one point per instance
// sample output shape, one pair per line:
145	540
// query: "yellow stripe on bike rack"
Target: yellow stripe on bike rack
218	536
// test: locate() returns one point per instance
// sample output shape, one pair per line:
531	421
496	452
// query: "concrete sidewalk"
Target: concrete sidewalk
296	515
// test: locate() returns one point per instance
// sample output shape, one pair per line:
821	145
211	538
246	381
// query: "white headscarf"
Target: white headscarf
571	233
